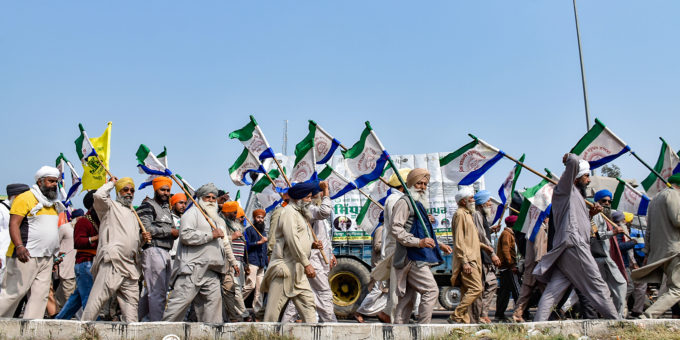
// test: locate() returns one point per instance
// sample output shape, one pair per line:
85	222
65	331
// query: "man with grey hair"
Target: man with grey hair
569	262
203	258
483	217
416	251
33	224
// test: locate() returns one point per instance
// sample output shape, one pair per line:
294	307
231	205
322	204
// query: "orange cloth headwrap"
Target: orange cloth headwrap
240	213
158	182
259	212
230	206
180	196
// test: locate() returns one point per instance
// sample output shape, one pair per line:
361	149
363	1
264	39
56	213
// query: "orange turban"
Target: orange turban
240	213
259	212
158	182
231	206
180	196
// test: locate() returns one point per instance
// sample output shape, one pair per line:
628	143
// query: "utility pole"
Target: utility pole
284	149
583	72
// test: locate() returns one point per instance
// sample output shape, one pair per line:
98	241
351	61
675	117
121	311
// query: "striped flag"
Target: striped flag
253	139
266	195
154	166
304	168
367	158
324	144
245	164
467	164
626	198
667	165
338	185
507	188
535	207
61	164
600	146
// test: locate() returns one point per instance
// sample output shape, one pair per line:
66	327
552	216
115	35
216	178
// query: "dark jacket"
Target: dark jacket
257	253
157	220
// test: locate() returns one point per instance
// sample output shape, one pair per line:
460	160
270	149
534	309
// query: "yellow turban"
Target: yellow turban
123	182
628	217
229	207
394	181
158	182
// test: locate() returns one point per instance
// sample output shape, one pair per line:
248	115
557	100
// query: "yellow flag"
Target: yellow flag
94	176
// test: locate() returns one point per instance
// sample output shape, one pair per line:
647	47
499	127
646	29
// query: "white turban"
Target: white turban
464	193
583	168
46	171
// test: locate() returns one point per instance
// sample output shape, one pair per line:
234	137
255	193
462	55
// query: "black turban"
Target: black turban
16	189
301	190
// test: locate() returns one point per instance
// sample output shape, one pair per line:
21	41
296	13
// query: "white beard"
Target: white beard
422	196
210	209
470	206
303	208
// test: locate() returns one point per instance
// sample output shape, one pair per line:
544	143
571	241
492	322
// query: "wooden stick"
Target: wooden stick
253	226
141	225
194	201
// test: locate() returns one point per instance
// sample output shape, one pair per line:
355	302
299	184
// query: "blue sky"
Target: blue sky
184	74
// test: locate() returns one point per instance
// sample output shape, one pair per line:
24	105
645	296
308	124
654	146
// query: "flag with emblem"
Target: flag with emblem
253	139
94	175
267	195
467	164
244	165
535	207
304	168
366	159
324	144
338	185
667	165
600	146
369	216
626	198
152	165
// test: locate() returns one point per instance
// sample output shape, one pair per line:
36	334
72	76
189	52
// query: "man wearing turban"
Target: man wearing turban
286	279
232	286
483	216
606	237
34	242
13	190
203	259
116	266
257	260
662	246
466	260
410	261
569	261
156	216
178	203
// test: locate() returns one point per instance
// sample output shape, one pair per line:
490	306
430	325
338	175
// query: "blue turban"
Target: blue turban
77	213
602	194
482	197
301	190
317	188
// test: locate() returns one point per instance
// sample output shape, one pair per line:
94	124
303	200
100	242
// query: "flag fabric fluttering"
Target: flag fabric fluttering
507	188
62	163
304	168
244	165
338	185
186	185
269	197
668	164
253	139
154	166
467	164
600	146
369	216
324	144
367	158
94	175
535	207
627	199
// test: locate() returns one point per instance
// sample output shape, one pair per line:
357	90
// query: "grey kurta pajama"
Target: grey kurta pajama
534	252
232	284
569	262
199	266
608	269
115	268
323	296
662	245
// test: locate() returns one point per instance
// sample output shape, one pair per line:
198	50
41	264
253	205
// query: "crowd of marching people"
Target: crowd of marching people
200	258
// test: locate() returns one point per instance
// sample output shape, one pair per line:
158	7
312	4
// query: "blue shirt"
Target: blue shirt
257	253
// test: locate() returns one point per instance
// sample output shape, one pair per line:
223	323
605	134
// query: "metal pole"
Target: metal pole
583	72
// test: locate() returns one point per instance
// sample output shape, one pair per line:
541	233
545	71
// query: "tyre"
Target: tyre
449	297
349	281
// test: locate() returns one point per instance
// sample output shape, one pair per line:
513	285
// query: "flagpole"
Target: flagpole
583	72
650	168
193	201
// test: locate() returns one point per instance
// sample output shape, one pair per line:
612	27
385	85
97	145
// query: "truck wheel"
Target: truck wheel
449	297
349	282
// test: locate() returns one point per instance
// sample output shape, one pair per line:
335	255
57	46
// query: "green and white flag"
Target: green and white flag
265	193
245	164
667	165
253	139
599	146
369	215
627	199
366	159
84	146
61	164
304	168
338	185
186	185
507	188
324	144
467	164
154	166
535	207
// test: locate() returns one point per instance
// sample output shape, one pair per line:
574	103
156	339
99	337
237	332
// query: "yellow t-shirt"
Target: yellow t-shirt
39	232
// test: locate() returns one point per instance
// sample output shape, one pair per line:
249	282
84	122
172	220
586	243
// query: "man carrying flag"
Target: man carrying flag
569	262
115	267
156	216
415	253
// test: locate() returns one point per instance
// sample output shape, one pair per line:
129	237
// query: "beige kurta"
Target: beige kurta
273	223
465	250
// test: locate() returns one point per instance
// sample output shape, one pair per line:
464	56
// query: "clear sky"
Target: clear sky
184	74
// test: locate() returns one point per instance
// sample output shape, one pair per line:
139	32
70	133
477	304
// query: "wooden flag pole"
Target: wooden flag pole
650	168
212	225
253	226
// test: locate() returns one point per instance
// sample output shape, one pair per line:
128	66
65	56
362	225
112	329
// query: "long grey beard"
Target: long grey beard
210	209
421	196
303	208
125	200
470	206
488	214
50	193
